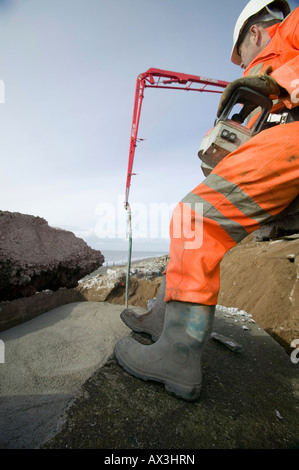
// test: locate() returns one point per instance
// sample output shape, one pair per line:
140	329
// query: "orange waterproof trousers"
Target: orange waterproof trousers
244	191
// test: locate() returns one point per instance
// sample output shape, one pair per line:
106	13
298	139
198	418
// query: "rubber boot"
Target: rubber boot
150	322
175	359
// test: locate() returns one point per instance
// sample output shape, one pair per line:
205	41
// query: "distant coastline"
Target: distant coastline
135	260
120	258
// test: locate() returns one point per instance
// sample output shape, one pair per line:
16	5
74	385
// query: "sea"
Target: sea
119	258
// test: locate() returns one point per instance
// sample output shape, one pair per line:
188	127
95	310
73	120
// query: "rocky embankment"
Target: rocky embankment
35	256
262	278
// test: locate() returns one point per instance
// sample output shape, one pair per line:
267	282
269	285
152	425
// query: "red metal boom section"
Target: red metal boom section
156	78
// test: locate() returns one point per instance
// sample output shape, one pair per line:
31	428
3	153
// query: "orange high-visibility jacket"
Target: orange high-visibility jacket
282	53
245	190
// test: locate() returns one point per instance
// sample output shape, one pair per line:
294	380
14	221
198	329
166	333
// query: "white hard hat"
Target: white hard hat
274	9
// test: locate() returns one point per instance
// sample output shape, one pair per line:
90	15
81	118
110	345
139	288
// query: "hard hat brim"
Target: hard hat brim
249	11
235	58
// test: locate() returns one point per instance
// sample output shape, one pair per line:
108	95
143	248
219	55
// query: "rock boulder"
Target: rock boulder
36	257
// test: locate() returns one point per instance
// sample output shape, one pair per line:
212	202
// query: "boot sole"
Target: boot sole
137	329
180	391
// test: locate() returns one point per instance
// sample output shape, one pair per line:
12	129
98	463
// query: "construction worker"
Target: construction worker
245	190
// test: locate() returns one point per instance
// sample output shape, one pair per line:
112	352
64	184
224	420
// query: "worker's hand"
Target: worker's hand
263	83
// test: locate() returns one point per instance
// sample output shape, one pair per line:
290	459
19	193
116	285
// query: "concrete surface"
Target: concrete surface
47	359
61	387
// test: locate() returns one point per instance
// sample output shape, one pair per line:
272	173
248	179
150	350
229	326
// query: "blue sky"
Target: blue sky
69	68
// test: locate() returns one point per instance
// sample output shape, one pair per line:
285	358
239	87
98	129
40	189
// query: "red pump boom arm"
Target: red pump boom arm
156	78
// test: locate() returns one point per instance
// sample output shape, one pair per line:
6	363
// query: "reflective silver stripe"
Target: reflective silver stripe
232	228
238	198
